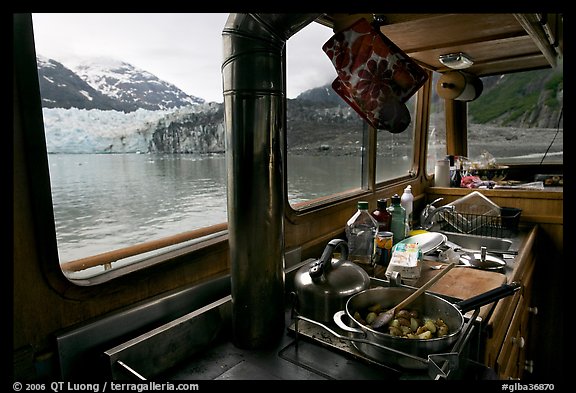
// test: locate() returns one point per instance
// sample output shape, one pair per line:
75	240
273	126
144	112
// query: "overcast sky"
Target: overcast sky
183	49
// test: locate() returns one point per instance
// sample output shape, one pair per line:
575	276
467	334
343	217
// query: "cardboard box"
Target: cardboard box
406	260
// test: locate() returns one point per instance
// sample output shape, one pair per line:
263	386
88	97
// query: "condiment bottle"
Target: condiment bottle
382	215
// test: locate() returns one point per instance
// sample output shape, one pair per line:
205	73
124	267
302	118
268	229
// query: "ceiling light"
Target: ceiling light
456	61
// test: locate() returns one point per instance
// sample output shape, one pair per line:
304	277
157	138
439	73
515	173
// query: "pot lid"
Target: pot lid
328	277
480	261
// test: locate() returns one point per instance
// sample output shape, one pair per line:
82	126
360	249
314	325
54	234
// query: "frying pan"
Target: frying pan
370	341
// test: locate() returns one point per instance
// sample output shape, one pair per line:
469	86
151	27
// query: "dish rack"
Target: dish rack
479	224
476	215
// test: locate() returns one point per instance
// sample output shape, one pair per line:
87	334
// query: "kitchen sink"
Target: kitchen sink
475	242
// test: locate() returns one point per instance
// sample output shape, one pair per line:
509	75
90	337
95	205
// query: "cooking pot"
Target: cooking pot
371	342
323	286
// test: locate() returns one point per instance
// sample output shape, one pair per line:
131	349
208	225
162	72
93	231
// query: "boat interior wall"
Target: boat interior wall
79	348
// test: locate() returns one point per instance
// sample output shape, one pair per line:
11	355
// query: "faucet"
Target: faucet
429	212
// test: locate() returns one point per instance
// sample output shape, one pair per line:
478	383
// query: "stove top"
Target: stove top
438	366
398	365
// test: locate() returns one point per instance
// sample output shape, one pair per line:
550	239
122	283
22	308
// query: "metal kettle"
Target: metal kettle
323	286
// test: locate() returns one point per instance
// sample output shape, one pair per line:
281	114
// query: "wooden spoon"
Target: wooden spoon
385	317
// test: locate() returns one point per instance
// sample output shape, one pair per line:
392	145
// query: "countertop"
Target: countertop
295	356
465	282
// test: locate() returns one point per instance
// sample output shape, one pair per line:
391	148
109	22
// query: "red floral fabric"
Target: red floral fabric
374	76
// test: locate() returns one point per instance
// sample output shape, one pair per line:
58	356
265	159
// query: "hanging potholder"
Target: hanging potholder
374	76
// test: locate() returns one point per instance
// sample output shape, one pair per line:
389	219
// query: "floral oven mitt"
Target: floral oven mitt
374	76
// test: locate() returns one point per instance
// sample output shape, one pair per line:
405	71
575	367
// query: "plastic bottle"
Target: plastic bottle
382	215
398	223
360	231
407	202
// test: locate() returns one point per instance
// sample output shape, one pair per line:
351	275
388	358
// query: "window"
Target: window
518	118
325	136
133	117
327	141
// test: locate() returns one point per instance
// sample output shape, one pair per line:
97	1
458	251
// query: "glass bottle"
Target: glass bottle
455	177
360	231
398	223
382	215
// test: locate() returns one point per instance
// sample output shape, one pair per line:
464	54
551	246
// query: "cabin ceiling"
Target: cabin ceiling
497	43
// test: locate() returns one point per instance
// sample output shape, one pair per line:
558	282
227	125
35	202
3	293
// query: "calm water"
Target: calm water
104	202
107	201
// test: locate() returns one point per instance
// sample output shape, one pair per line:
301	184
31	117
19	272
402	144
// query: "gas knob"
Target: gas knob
533	310
529	366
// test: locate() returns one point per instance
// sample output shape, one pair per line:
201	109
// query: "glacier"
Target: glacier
105	131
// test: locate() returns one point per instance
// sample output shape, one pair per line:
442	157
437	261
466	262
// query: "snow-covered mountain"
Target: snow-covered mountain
60	87
102	105
106	84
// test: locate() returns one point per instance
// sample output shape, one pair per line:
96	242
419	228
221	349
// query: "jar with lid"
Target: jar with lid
442	173
382	215
398	223
360	231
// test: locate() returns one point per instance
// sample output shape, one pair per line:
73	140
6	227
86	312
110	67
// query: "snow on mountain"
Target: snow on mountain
60	87
107	84
127	83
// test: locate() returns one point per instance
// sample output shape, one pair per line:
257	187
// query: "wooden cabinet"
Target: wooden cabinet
511	361
507	346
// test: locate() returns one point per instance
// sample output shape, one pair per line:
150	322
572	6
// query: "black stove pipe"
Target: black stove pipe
254	102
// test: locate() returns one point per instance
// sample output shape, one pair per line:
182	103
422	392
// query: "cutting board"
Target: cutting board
462	282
